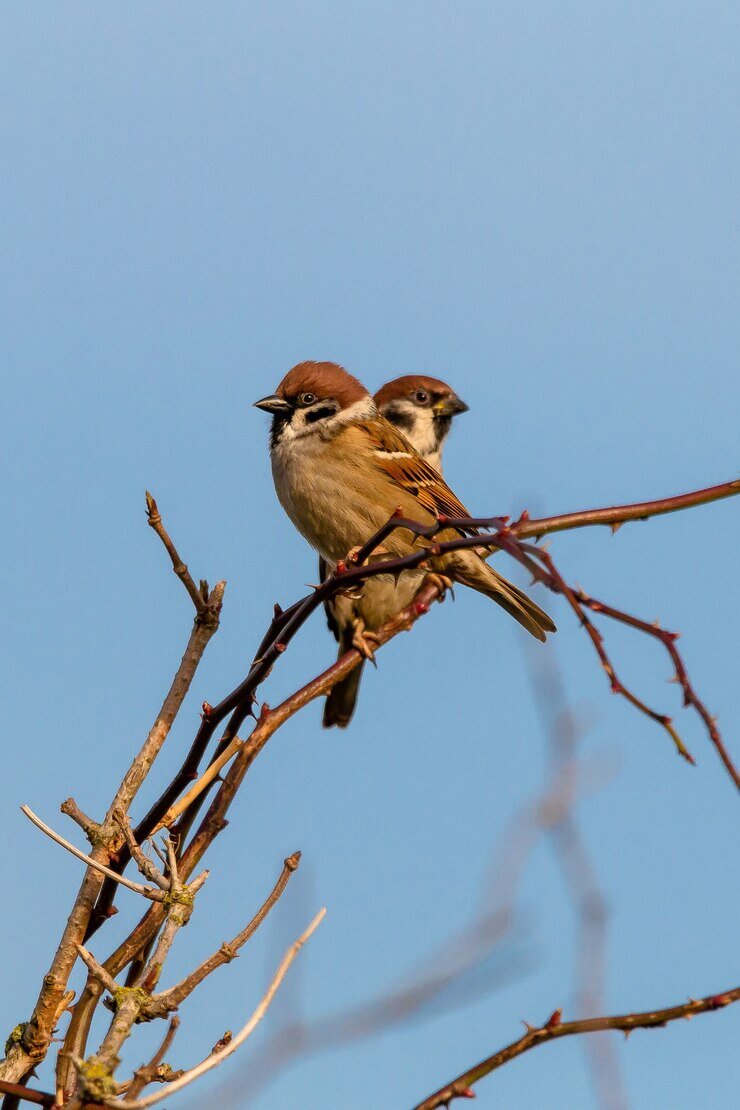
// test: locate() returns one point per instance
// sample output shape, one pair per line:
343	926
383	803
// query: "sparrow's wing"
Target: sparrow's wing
328	606
404	466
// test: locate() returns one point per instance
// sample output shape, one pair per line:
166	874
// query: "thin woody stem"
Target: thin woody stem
199	597
558	583
138	888
147	1074
26	1094
555	1027
617	515
234	1043
176	995
668	639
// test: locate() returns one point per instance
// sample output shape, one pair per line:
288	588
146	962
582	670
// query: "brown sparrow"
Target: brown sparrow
422	408
340	470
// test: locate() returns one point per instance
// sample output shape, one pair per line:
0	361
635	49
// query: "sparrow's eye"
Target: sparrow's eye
421	397
306	399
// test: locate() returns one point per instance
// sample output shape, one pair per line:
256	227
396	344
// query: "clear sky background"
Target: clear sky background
535	201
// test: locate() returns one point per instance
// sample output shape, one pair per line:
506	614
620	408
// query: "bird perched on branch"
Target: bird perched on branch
340	470
422	408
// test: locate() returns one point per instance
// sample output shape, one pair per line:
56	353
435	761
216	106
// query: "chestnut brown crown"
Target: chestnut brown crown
423	390
325	380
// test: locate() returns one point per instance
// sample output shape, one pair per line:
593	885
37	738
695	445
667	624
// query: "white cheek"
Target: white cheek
295	429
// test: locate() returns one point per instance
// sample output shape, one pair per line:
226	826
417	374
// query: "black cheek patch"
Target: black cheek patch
320	414
399	418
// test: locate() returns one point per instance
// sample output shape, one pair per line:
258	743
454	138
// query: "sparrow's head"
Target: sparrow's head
422	408
315	397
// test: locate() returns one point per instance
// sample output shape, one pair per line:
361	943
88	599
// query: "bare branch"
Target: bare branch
97	970
150	1073
571	850
556	582
668	640
555	1027
146	866
26	1094
234	1043
138	888
618	515
211	773
90	828
177	994
199	597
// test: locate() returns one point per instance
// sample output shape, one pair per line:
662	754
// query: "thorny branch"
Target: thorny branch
287	623
112	849
555	1027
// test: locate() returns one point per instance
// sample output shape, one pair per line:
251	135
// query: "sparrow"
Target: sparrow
422	408
340	470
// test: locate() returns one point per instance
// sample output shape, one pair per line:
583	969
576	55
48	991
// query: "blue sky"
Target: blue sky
535	201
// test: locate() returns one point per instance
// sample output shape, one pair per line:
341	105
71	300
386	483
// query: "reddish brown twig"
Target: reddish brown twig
540	564
555	1027
668	640
26	1094
556	582
618	515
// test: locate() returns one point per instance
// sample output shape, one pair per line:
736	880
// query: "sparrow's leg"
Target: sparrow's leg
363	640
442	582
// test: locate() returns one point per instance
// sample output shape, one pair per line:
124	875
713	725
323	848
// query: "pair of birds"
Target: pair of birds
343	462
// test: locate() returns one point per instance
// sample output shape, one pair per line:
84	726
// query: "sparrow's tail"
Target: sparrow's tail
341	700
489	582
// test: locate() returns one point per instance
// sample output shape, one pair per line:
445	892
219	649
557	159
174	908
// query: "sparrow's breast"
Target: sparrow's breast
324	496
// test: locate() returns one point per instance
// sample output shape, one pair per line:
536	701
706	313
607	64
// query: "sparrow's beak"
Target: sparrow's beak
272	404
450	406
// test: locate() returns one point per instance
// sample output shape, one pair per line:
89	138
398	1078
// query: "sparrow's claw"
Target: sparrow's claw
364	641
443	584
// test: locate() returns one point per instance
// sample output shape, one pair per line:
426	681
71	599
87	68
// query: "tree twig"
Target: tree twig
555	1027
681	678
149	892
26	1094
618	515
199	597
149	1073
214	1059
174	996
